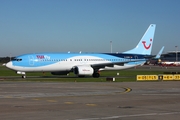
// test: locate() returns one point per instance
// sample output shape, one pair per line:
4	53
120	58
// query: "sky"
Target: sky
32	26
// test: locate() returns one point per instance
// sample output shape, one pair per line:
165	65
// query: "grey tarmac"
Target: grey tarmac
90	100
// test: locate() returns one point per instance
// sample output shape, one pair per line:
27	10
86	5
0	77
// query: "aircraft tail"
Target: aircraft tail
145	44
159	54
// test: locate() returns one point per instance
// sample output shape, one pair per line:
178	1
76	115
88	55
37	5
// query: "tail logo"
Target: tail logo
145	46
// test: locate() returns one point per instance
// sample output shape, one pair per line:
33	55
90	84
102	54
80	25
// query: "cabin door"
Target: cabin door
31	60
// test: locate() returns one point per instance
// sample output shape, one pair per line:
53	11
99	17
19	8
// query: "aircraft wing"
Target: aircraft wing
111	64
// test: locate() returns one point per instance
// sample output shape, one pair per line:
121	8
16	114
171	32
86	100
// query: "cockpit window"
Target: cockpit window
16	59
19	59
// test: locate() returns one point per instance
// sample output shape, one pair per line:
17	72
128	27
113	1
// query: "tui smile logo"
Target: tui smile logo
145	46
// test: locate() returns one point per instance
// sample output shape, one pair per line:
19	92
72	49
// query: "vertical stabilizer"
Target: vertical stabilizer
159	54
145	44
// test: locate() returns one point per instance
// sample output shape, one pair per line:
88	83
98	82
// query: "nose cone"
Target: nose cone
9	65
4	64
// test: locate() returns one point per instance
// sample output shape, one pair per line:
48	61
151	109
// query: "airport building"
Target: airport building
171	56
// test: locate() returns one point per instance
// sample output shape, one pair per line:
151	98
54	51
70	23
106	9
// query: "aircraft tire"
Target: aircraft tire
96	75
24	76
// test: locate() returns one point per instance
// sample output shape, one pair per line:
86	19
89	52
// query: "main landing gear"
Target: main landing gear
96	75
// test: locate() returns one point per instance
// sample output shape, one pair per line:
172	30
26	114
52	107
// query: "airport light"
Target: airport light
111	46
10	57
176	53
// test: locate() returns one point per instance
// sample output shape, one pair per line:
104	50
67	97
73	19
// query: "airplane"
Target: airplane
159	53
155	59
84	64
167	63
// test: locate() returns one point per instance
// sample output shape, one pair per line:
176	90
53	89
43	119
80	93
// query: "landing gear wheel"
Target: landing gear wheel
96	75
24	76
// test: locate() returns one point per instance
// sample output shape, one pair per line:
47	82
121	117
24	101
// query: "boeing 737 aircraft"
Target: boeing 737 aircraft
155	59
83	64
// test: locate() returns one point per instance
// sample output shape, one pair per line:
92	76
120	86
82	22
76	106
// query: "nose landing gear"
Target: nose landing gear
23	76
21	73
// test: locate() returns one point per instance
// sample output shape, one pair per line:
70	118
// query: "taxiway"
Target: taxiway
89	101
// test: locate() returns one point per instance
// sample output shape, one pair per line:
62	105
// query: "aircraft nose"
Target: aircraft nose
9	65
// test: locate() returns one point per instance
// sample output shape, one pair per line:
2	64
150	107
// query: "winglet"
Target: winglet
145	44
159	54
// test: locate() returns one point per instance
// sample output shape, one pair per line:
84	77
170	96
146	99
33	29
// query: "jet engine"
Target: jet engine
83	70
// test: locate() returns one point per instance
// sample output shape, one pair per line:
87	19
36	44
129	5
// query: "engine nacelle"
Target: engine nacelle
83	70
60	73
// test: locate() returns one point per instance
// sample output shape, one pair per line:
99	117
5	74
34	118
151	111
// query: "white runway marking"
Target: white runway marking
136	115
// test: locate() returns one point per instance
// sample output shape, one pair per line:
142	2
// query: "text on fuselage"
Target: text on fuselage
43	57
